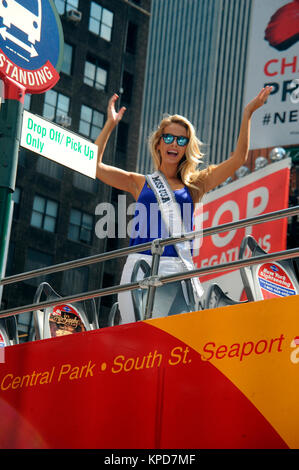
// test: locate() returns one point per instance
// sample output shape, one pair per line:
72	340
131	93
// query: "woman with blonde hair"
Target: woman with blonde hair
176	153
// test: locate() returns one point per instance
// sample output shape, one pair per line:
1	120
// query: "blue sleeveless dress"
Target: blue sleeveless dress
147	224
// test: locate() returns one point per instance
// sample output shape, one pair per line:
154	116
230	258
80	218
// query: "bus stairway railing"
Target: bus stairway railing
153	281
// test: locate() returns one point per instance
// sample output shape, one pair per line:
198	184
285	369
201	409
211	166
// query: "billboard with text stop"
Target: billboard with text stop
263	191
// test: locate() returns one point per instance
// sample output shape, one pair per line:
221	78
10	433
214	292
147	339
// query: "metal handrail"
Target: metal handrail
290	254
291	211
154	280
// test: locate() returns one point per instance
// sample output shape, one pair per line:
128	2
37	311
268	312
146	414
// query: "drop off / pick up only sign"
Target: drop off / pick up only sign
56	143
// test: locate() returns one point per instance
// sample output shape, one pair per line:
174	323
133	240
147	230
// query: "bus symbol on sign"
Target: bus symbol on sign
31	43
26	20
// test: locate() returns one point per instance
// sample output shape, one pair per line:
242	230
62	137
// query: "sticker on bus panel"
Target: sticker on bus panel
65	320
2	343
2	349
274	281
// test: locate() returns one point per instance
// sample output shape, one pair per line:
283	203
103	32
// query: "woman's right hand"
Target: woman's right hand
113	116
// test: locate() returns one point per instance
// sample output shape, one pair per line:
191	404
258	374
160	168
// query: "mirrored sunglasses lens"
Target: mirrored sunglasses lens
182	141
168	138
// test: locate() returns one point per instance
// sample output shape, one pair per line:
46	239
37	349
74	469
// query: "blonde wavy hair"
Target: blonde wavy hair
188	171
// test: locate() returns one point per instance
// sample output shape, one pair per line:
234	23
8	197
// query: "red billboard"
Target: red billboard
260	192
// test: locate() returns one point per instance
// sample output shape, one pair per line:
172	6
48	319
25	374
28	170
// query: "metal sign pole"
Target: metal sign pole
31	54
10	132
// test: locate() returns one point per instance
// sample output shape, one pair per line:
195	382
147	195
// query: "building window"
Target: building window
95	75
80	227
44	213
100	21
67	59
75	281
49	168
131	38
80	181
66	5
27	101
16	197
22	157
34	260
10	259
91	122
127	87
122	136
55	104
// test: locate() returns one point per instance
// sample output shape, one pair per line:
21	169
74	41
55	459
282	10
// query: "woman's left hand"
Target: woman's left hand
259	100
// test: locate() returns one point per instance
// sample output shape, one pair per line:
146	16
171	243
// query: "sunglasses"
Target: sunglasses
181	140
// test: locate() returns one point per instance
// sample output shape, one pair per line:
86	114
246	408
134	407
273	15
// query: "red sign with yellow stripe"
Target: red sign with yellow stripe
222	378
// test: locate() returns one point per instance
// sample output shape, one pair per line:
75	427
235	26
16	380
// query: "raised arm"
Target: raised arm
227	168
111	175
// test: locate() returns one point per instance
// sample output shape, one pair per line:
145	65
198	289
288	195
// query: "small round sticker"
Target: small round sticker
65	320
274	281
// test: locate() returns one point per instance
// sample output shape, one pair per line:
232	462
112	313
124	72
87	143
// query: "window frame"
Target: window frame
67	6
44	215
31	265
72	59
80	239
100	22
90	123
56	114
98	64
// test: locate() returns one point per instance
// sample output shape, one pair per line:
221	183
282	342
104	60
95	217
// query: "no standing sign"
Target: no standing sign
31	52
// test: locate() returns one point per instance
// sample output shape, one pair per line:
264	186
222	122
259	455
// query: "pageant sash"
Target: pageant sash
171	215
